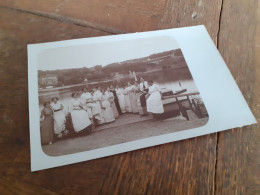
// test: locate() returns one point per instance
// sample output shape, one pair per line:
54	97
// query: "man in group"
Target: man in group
144	90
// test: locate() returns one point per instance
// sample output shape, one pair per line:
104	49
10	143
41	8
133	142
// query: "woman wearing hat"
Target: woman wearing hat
59	117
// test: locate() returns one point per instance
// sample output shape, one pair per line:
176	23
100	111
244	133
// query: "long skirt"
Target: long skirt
128	105
154	103
121	99
59	121
47	130
142	104
139	107
133	102
107	112
114	108
118	106
97	113
80	120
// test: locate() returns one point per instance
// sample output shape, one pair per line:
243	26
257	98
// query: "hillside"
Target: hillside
163	60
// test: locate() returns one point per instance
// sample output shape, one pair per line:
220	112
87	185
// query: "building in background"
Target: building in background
48	80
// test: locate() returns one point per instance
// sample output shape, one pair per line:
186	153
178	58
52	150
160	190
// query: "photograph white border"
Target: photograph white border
224	102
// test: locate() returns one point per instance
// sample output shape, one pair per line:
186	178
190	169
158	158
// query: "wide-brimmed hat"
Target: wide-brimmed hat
54	98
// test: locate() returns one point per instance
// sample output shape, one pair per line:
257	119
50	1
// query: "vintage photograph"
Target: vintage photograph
97	95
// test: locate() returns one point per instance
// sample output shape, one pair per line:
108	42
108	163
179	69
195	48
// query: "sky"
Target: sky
90	55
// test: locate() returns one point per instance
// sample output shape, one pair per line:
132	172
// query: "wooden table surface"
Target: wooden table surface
220	163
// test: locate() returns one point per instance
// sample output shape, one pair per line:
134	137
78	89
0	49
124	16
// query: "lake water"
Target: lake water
173	79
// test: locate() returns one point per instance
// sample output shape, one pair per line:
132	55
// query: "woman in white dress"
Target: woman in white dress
154	100
86	99
133	101
112	102
97	111
59	116
107	111
79	116
127	99
121	98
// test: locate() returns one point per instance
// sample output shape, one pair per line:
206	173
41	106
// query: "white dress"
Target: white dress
97	112
79	116
127	100
59	117
132	97
107	111
121	99
154	101
112	102
84	98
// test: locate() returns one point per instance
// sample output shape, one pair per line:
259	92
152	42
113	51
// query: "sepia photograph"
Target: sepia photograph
97	95
100	96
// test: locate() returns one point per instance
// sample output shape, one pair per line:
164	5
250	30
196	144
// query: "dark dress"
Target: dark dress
116	102
47	126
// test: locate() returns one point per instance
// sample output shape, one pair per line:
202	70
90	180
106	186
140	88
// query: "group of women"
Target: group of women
100	106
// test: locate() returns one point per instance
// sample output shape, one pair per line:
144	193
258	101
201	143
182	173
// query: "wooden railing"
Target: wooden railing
195	107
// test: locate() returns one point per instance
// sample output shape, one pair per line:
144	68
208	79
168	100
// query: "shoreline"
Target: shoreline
95	82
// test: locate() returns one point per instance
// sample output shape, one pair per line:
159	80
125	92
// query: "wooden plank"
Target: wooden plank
129	15
237	149
185	167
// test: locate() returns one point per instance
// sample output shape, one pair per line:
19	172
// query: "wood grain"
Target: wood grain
129	15
210	164
237	148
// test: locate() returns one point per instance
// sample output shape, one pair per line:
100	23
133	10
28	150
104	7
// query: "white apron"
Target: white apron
154	101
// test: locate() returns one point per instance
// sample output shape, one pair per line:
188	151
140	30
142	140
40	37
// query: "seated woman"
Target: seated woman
59	117
107	111
154	100
79	116
47	124
112	102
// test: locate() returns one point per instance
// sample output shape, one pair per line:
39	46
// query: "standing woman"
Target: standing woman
112	102
59	117
121	98
154	100
47	125
107	110
97	111
79	116
133	102
127	99
112	89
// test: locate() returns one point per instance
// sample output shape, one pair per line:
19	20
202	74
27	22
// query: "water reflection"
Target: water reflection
172	79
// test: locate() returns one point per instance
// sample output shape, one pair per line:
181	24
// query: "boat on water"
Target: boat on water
49	87
177	103
170	103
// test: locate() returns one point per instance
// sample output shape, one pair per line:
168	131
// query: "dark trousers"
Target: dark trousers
143	100
118	106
